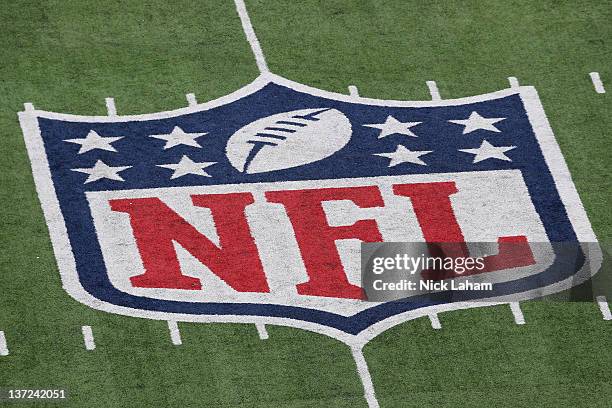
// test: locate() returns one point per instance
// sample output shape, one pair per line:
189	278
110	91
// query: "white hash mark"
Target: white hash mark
191	99
517	313
111	109
435	321
599	88
175	334
261	331
604	307
4	351
433	91
88	338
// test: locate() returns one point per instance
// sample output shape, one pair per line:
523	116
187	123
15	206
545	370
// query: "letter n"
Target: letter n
156	226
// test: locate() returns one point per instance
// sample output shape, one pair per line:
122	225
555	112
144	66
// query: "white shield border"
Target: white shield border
67	265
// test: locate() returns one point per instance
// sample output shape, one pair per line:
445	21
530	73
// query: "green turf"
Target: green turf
69	55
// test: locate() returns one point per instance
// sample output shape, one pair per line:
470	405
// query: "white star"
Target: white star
179	137
404	155
95	141
101	170
187	166
475	122
393	126
488	151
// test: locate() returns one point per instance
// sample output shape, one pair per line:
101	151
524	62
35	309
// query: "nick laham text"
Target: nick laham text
431	285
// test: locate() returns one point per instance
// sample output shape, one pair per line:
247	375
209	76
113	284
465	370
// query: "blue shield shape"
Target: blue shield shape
240	205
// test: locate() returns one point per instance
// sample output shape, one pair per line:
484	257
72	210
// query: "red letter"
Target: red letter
433	209
156	226
317	239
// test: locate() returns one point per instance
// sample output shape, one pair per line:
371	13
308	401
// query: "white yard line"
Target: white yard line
88	338
251	37
599	88
111	109
191	99
514	83
604	307
364	375
4	351
353	91
175	334
435	321
261	330
517	313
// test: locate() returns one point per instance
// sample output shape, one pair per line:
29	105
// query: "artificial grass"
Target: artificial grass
68	55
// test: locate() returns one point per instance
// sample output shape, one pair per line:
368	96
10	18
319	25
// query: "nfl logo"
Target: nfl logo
251	208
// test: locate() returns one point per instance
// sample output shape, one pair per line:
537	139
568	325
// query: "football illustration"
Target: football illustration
288	139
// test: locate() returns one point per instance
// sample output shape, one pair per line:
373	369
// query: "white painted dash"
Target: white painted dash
433	91
261	330
604	307
88	338
435	321
4	351
175	334
111	109
353	91
514	83
599	88
249	32
29	106
517	313
191	99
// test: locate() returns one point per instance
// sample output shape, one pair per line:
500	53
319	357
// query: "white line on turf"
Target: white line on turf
88	338
261	330
364	375
3	346
249	32
599	88
353	91
433	91
28	106
435	321
604	307
251	37
110	106
514	83
191	99
517	313
175	334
